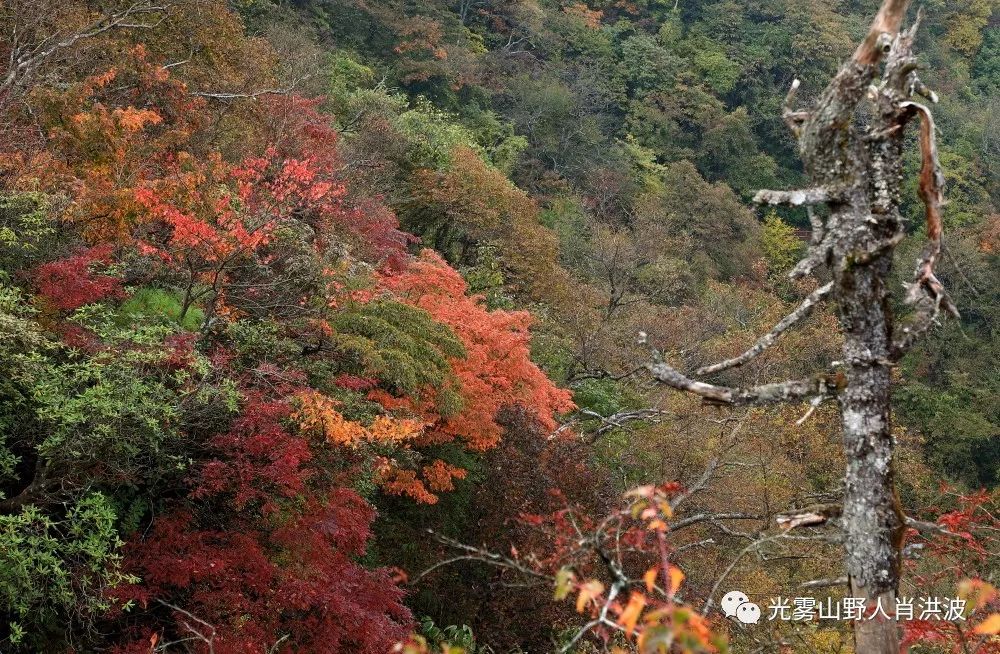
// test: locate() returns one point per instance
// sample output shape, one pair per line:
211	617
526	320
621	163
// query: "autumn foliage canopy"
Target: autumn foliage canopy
318	328
250	291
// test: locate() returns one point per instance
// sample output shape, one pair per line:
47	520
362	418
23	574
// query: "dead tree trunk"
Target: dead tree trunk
857	172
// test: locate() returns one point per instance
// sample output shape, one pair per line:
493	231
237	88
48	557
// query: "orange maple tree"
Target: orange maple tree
497	370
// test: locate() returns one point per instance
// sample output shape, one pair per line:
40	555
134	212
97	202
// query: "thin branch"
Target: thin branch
175	64
713	465
583	631
209	640
23	65
929	527
825	583
709	602
689	546
477	554
786	391
768	339
813	405
482	556
710	518
958	268
253	95
34	492
618	420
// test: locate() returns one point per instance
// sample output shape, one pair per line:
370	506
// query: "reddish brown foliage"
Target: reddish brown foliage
70	283
269	559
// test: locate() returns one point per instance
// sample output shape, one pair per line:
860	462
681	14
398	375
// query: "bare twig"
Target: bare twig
251	95
930	527
709	601
617	420
712	518
768	339
208	639
712	466
478	554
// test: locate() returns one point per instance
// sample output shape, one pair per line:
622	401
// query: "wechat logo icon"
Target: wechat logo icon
737	605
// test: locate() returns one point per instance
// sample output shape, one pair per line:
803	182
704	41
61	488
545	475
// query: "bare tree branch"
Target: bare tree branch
769	339
713	465
825	583
208	639
25	60
930	527
616	420
786	391
711	518
251	95
482	555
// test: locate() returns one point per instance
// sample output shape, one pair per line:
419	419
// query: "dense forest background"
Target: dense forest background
297	298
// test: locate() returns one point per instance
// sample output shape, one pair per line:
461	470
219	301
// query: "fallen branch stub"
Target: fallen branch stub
797	198
812	516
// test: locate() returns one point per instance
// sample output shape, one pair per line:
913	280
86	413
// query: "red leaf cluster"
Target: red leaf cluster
274	562
70	283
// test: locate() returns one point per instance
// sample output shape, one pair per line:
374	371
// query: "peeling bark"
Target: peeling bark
858	174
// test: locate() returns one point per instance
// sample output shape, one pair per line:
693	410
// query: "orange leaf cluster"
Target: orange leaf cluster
497	370
590	17
397	481
317	413
440	475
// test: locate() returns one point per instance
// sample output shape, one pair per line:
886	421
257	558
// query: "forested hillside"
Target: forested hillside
319	327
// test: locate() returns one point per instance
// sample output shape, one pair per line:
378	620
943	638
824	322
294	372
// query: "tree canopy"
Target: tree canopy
319	325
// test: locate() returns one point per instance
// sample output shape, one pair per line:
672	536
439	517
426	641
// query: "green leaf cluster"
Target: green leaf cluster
402	346
54	571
